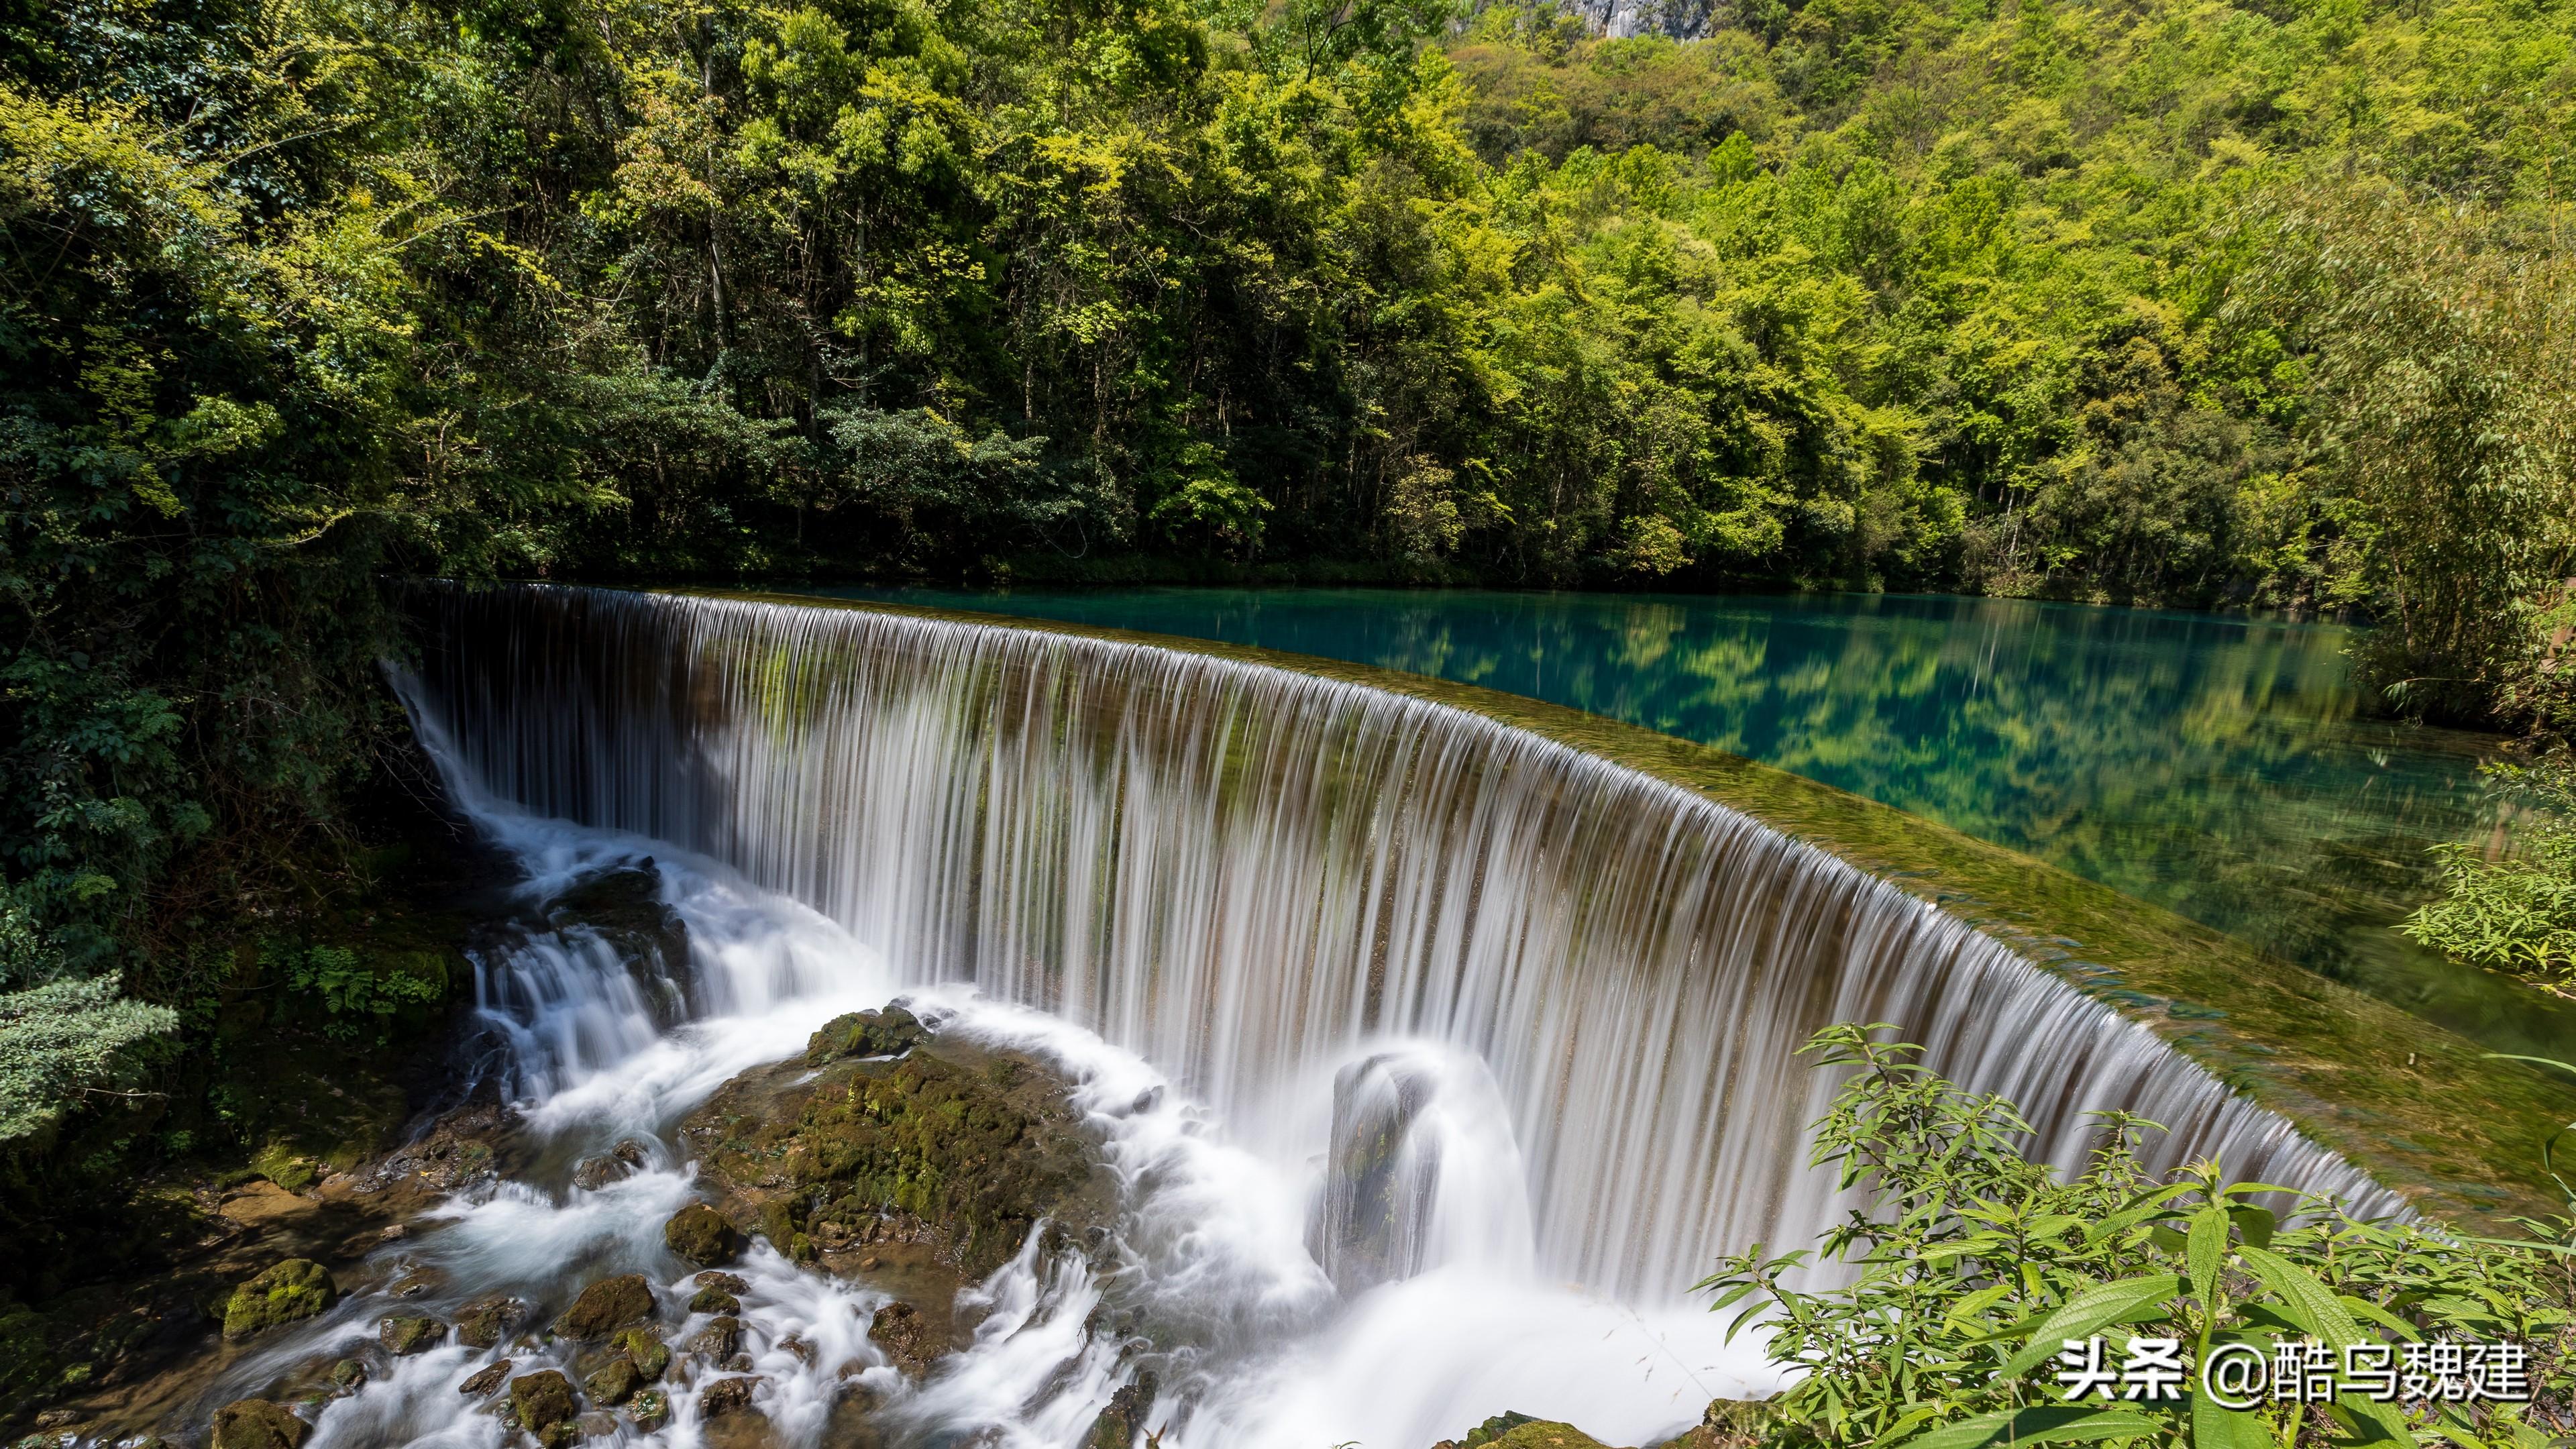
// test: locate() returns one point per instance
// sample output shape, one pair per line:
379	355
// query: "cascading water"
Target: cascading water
1277	909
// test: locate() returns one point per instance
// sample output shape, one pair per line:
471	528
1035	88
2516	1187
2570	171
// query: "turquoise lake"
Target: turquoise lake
2220	766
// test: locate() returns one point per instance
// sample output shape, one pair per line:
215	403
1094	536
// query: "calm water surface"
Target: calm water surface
2217	766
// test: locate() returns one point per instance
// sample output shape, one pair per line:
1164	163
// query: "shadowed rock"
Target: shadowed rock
258	1424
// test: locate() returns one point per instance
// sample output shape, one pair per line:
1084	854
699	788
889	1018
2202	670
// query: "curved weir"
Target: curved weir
1254	878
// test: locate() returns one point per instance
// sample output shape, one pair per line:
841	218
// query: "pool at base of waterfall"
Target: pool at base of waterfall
942	1220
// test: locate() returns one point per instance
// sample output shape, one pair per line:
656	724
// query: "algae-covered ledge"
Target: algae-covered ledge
2421	1109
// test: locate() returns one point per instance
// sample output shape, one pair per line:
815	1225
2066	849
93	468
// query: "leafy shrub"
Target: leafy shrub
65	1040
354	987
1974	1265
2517	914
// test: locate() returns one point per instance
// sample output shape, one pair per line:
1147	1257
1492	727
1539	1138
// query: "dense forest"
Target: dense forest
2181	302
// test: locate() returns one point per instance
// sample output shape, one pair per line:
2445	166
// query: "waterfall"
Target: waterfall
1247	875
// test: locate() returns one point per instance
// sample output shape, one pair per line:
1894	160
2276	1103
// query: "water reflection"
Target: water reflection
2217	766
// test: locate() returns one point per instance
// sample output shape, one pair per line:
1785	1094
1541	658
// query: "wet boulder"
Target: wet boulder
712	1299
643	1348
542	1403
1520	1431
650	1410
634	1358
1123	1422
484	1322
727	1396
486	1379
888	1130
887	1033
1379	1180
613	1382
606	1306
258	1424
410	1333
701	1235
617	1163
291	1291
719	1340
624	907
907	1336
475	1143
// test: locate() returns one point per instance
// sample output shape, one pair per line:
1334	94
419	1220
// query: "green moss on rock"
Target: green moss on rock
258	1424
965	1148
290	1292
484	1322
410	1333
1542	1434
887	1033
643	1348
612	1382
701	1235
542	1403
605	1306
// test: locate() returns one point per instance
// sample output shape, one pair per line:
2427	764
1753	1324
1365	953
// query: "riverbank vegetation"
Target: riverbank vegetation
1974	1266
2509	904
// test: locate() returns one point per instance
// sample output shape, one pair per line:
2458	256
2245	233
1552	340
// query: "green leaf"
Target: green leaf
2039	1424
2087	1313
2215	1426
2305	1301
2205	1248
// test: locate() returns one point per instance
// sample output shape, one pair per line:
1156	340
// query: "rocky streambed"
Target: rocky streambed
887	1153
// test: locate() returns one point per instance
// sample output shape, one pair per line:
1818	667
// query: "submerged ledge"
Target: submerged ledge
2418	1108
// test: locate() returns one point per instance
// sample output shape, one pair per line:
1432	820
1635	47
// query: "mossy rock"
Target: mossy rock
719	1340
258	1424
280	1164
542	1403
28	1366
613	1382
290	1292
1543	1434
1119	1424
712	1299
727	1396
643	1348
887	1033
410	1333
484	1322
946	1143
606	1306
701	1235
485	1379
650	1410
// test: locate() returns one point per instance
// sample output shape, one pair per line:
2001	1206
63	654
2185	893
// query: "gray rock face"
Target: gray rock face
1378	1178
1680	19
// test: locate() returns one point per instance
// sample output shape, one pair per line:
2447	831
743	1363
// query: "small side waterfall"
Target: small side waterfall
1248	876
